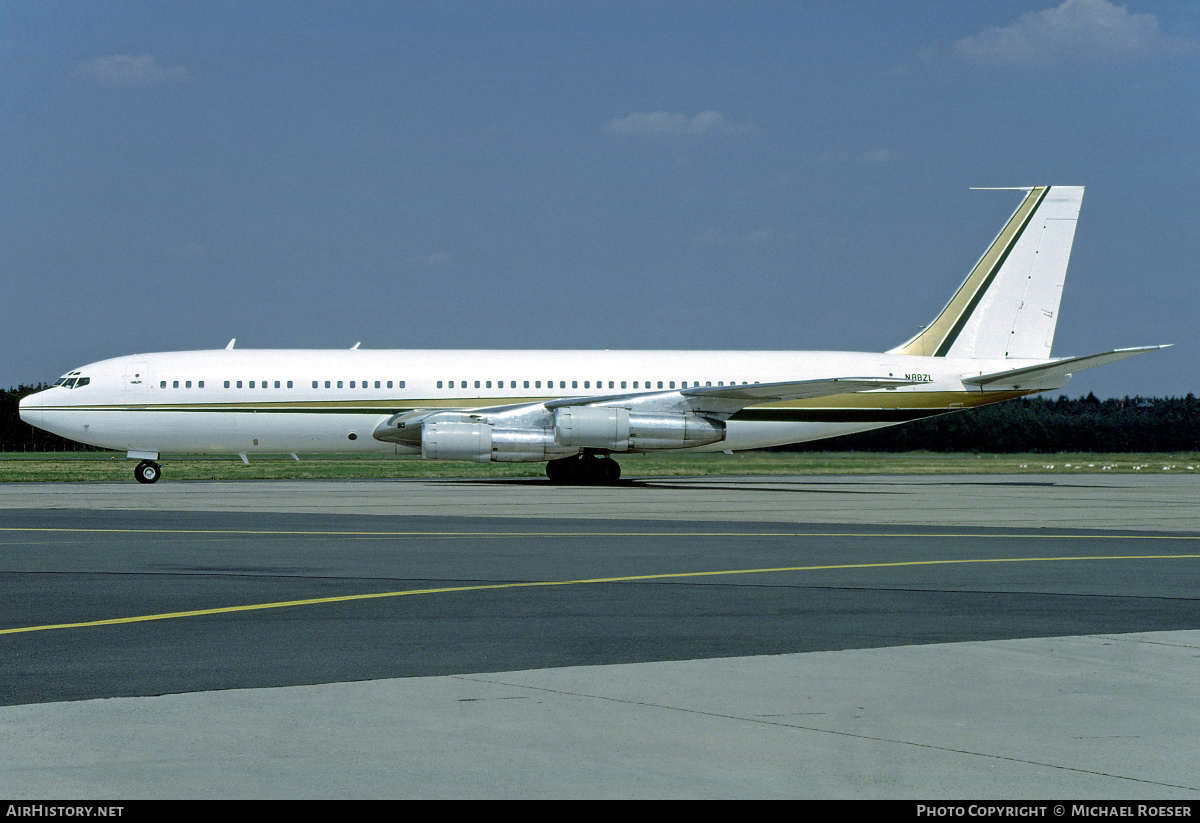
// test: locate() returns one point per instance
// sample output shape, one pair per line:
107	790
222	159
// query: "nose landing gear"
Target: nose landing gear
584	470
147	472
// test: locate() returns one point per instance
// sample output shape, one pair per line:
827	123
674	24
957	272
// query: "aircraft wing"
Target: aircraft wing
1035	376
725	400
712	401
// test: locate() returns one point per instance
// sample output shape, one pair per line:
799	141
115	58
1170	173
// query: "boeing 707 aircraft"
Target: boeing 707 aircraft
574	410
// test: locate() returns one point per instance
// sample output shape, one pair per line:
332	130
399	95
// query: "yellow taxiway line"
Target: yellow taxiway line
582	582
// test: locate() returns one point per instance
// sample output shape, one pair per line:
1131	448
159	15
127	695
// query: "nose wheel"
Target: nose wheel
147	472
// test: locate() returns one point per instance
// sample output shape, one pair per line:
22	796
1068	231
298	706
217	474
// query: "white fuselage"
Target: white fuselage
247	401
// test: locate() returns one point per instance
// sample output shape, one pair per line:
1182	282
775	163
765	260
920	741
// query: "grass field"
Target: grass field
74	467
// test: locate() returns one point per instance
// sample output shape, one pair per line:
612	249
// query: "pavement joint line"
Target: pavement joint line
562	534
578	582
819	730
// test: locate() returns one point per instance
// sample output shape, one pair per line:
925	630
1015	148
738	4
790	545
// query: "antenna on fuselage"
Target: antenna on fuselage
231	342
355	346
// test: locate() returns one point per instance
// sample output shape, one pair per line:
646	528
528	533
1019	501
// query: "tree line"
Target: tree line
1031	424
1040	425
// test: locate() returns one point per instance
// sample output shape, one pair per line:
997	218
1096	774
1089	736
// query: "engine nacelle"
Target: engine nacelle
485	443
592	427
619	430
457	441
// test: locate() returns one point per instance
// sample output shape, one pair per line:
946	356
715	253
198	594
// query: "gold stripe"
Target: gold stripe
861	400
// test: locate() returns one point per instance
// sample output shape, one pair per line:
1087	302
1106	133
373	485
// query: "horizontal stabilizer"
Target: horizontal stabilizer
1036	376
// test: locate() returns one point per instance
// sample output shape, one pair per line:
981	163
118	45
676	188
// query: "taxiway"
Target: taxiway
969	636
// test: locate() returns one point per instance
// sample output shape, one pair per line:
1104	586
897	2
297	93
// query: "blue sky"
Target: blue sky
694	175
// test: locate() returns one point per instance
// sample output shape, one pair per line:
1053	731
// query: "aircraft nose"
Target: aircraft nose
30	407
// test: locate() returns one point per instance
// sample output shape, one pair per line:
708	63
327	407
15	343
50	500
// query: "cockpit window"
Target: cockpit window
72	381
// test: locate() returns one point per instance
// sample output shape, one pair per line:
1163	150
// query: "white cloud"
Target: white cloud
659	123
124	71
1075	30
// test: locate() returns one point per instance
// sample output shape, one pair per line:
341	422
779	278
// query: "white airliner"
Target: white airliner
574	409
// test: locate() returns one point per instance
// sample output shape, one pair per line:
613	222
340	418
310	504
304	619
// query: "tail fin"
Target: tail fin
1008	305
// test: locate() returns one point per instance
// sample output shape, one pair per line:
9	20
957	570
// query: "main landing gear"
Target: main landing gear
584	470
147	472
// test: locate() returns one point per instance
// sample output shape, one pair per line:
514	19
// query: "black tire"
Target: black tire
563	471
610	471
147	472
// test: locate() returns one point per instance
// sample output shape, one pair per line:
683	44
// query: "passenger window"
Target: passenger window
289	384
188	384
526	384
574	384
162	384
610	384
489	384
174	383
623	384
377	384
326	384
672	384
439	384
351	384
635	385
276	384
239	385
587	384
340	384
401	384
660	384
314	384
476	384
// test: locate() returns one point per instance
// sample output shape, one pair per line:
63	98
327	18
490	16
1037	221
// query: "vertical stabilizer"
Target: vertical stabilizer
1008	305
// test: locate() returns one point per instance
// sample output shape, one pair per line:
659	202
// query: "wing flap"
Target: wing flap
796	390
725	400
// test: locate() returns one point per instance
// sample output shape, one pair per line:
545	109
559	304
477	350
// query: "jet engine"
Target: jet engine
620	430
568	431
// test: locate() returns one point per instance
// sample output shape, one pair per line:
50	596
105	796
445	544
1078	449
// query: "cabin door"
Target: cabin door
135	385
